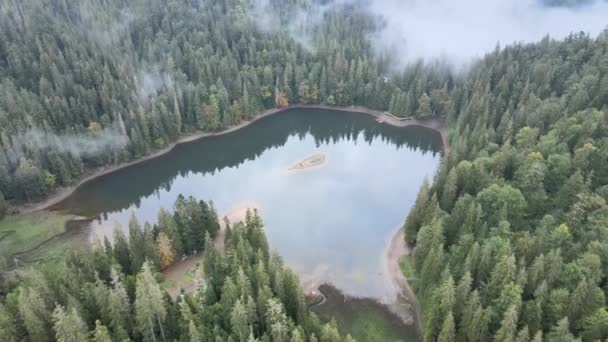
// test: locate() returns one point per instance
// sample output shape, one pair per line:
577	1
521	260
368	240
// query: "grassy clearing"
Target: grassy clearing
408	270
22	233
50	254
364	319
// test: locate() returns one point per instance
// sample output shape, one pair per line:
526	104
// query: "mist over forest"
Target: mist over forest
453	32
509	239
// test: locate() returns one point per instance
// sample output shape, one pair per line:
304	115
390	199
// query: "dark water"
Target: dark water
329	223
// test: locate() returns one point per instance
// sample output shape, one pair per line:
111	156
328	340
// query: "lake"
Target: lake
330	223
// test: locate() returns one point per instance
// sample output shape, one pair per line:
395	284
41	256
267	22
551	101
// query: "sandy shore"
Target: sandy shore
176	272
405	305
237	214
383	117
394	249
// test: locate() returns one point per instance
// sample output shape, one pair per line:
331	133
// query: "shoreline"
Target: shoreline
394	249
180	268
406	305
382	117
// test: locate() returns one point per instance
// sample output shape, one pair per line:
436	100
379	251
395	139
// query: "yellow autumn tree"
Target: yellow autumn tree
282	100
165	251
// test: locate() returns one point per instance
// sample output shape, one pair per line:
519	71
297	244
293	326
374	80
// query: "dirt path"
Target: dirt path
176	274
383	117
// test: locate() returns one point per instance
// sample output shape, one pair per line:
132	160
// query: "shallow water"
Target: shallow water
330	223
363	318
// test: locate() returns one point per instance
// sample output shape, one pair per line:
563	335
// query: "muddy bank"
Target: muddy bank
383	117
405	304
366	319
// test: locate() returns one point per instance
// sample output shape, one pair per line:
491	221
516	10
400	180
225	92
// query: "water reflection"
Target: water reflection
329	223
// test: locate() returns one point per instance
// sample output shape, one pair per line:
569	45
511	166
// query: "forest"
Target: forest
96	82
114	292
511	235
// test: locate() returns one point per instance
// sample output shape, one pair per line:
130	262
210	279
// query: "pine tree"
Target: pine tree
417	214
150	311
448	330
238	321
137	250
508	326
424	110
561	332
595	326
35	314
68	326
193	332
101	333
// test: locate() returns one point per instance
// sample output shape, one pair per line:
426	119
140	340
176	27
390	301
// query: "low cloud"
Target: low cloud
459	31
84	145
151	81
449	31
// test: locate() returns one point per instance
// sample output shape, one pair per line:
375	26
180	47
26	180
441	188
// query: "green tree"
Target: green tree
68	326
4	206
595	326
448	330
418	214
508	326
424	110
150	311
137	245
101	333
238	321
561	332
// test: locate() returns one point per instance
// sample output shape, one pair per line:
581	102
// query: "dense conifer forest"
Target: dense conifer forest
511	236
113	293
87	83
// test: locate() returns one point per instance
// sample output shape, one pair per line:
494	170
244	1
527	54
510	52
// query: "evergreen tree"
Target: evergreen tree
150	311
68	326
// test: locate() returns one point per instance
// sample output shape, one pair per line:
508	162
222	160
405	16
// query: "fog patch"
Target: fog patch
151	81
459	31
452	32
81	145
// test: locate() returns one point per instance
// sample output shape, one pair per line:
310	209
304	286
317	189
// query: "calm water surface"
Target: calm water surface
329	223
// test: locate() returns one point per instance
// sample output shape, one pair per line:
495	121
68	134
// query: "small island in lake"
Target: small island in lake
315	160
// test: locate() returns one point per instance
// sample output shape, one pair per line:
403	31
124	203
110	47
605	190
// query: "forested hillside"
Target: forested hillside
87	83
113	293
512	237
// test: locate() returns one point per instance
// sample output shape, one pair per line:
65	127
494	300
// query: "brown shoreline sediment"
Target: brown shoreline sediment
396	249
393	249
382	117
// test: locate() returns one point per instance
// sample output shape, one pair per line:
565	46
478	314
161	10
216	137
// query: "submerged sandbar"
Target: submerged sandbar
316	160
